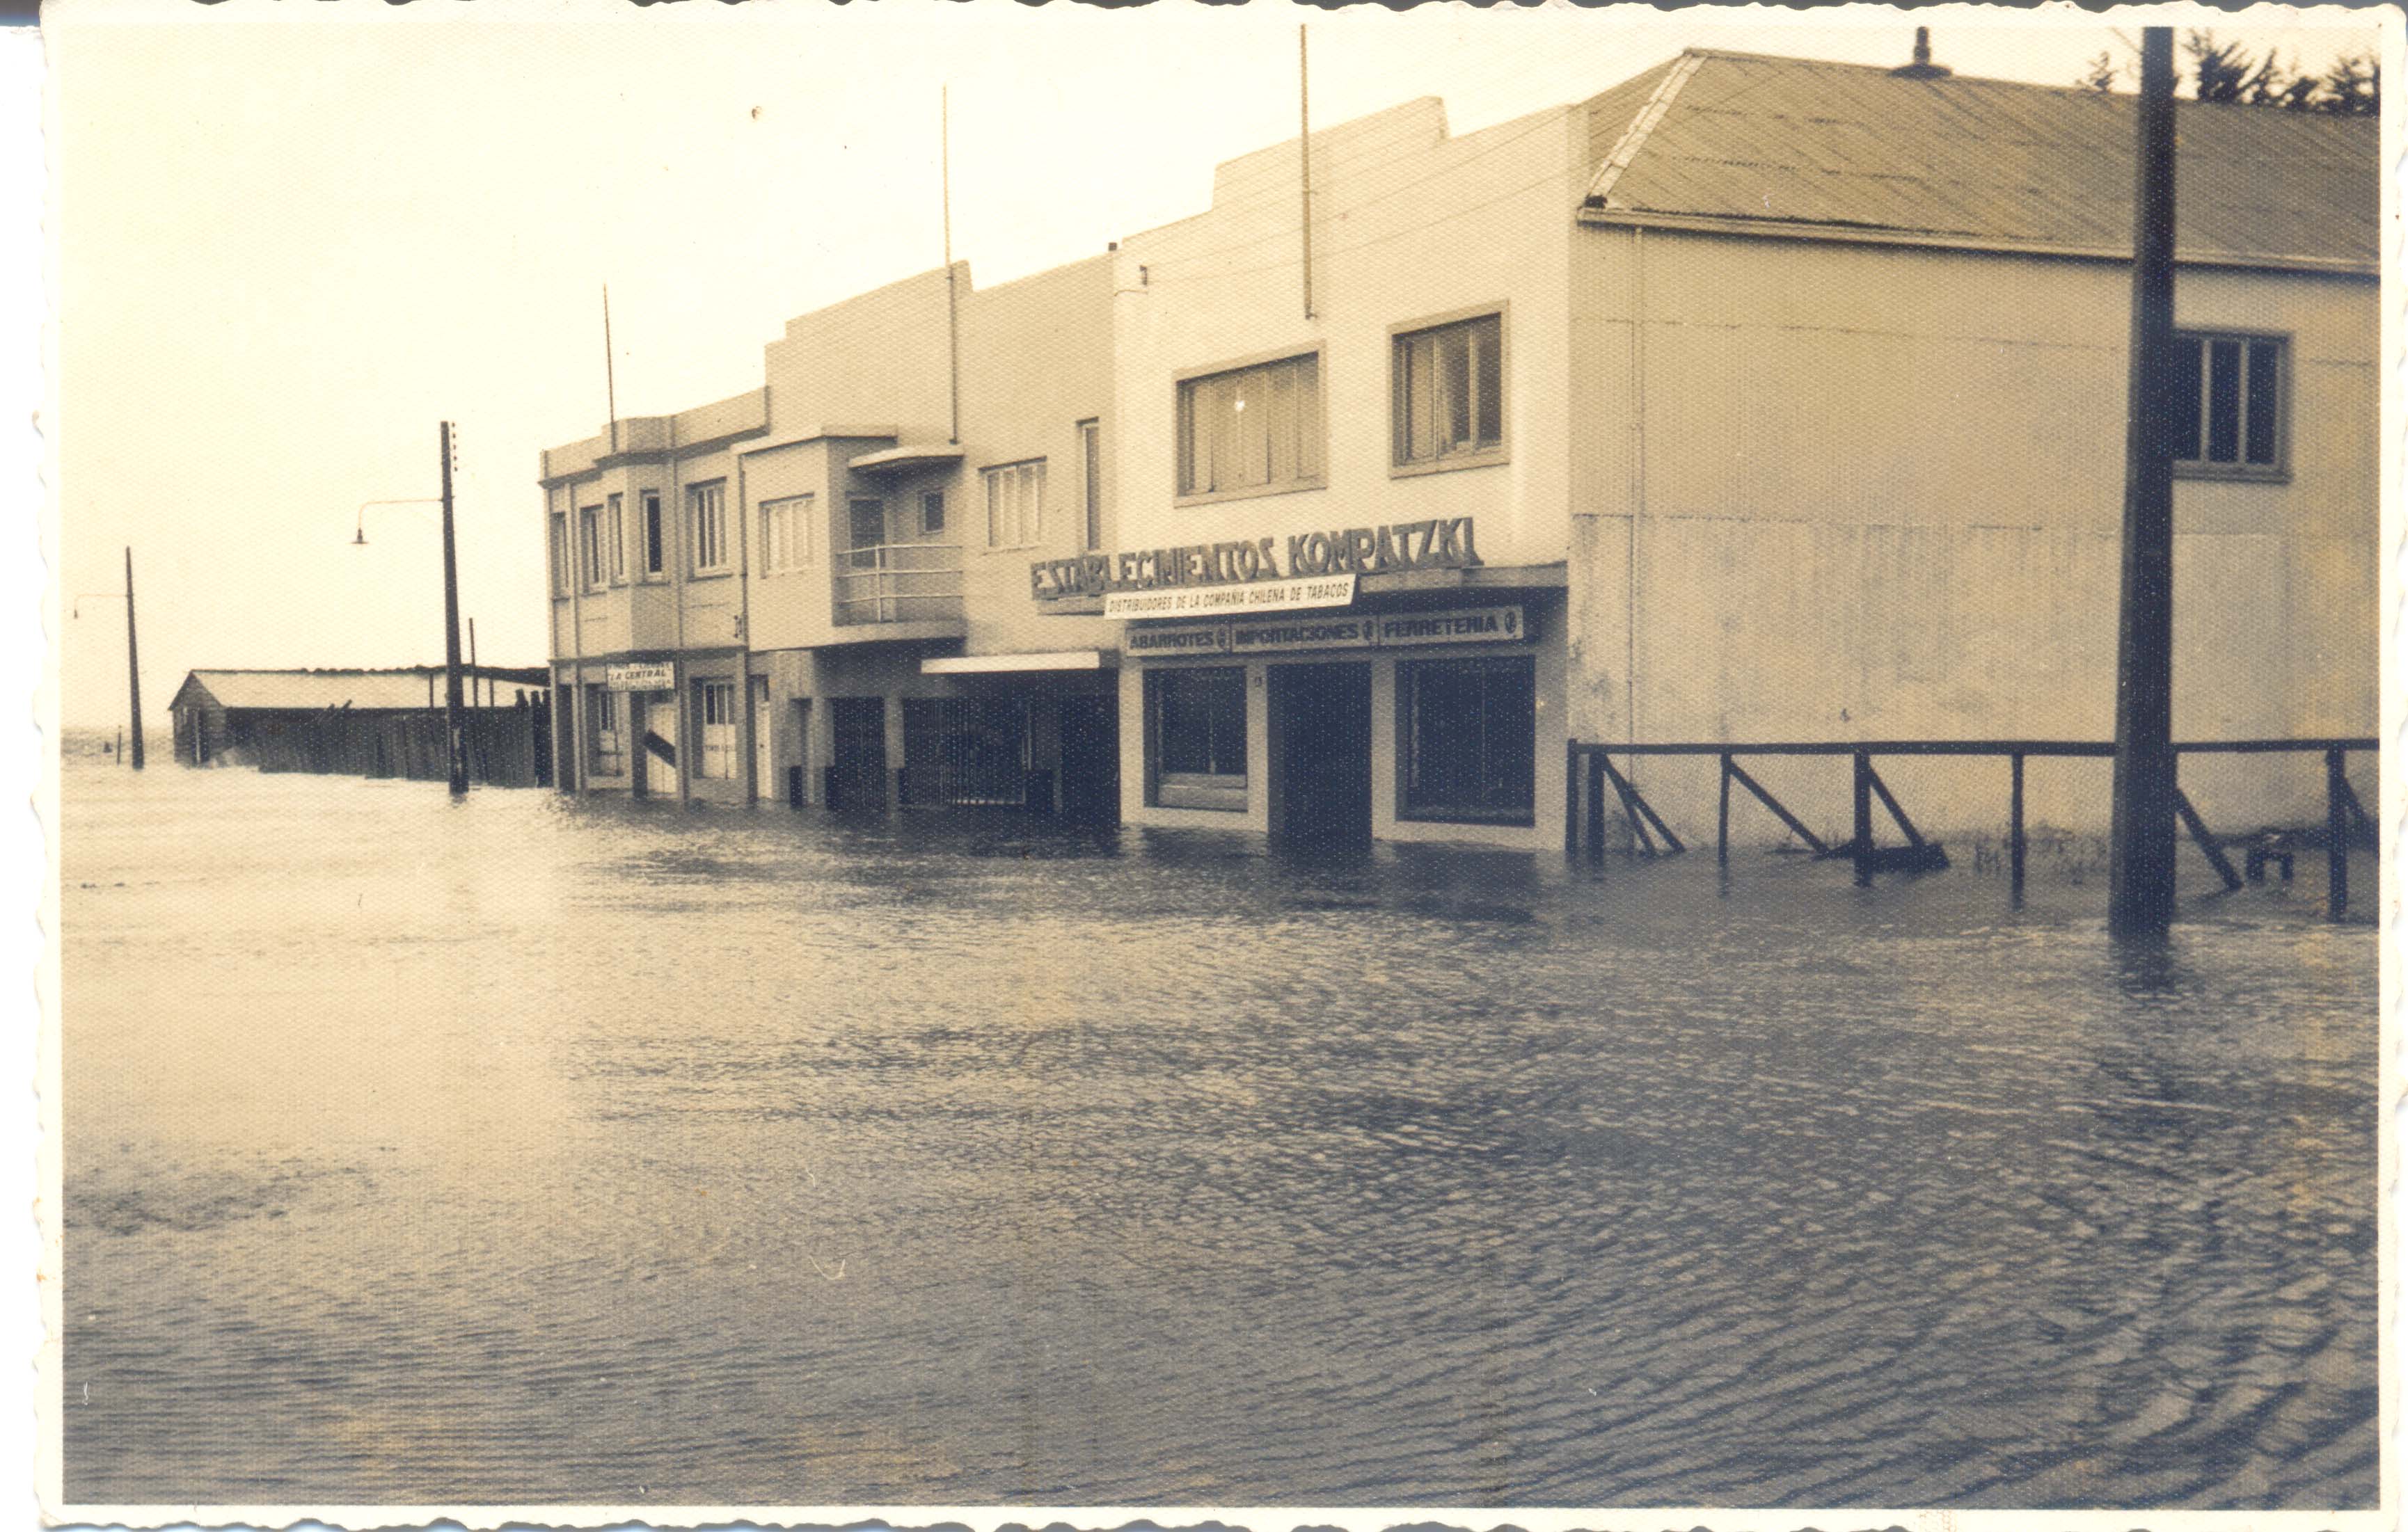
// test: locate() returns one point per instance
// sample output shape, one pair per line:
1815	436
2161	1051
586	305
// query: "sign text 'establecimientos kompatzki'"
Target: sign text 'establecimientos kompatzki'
1445	543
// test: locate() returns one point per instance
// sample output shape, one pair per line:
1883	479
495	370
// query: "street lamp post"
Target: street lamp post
455	724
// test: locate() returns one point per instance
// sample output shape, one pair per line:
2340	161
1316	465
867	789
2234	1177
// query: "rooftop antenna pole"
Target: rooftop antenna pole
2141	837
132	663
1304	153
610	369
953	294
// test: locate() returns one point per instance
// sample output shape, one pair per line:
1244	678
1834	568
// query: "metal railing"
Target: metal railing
1589	770
899	582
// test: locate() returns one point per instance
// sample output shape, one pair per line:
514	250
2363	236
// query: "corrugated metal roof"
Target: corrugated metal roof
1801	145
360	690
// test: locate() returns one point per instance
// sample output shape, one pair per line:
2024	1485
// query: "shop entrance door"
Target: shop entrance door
857	775
764	743
659	756
1321	744
1091	759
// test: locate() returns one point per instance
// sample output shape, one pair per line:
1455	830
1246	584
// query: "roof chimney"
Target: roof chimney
1922	69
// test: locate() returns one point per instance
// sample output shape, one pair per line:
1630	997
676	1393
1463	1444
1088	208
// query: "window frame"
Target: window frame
712	492
1473	457
1029	529
615	529
1211	792
651	525
1408	705
593	562
1091	484
932	527
563	569
1182	385
792	514
2243	471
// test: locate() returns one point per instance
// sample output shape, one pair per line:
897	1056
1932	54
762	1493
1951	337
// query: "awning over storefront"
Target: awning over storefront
895	459
988	664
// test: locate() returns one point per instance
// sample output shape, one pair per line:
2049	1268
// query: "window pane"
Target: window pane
1470	737
652	540
2183	390
1200	722
1419	421
2265	399
1454	388
2223	401
1488	379
1307	414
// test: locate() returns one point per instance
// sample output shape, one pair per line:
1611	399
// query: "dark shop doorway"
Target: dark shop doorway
1321	745
857	775
1091	759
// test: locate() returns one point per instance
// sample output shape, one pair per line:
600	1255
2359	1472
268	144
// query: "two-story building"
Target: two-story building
1755	399
814	592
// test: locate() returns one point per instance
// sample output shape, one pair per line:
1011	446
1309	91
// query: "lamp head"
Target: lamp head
360	537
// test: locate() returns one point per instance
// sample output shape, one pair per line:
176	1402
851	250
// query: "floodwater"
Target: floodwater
519	1151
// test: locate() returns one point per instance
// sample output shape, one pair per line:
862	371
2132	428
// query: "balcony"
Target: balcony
900	584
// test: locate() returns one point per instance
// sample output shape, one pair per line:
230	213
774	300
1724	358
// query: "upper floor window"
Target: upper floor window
786	542
932	512
2231	424
655	544
1251	430
1091	485
589	540
707	504
1448	381
616	532
1015	504
560	565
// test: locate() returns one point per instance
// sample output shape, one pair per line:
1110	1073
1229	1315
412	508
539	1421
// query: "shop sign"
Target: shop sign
1353	630
1443	543
1464	625
656	675
1285	594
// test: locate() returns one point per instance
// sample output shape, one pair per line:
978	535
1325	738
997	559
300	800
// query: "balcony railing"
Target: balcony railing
899	582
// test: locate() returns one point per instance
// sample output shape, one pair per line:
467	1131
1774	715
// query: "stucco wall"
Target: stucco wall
1408	225
1876	492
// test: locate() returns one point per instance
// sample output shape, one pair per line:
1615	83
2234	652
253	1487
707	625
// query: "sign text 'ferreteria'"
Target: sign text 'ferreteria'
1445	543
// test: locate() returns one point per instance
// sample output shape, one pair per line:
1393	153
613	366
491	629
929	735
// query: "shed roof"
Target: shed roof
360	690
1849	151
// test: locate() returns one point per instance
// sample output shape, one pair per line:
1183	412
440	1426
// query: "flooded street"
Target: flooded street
525	1151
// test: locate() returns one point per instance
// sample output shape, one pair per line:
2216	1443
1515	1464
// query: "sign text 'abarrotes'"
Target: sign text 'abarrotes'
1445	543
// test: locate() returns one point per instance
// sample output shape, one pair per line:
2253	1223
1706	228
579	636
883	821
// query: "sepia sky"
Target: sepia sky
291	238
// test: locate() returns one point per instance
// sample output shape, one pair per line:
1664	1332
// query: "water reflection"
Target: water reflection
534	1152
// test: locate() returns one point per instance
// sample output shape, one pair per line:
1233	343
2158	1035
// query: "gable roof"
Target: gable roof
1783	145
360	690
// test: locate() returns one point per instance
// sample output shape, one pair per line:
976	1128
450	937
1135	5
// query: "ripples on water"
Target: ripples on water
524	1151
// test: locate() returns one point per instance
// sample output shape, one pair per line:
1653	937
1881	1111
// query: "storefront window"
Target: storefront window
1466	740
1197	728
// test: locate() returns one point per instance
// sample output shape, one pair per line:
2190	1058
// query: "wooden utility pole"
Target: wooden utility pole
1304	153
133	663
453	728
2141	839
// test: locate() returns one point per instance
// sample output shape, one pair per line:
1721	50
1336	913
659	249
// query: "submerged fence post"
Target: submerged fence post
1861	847
2016	829
2336	835
1572	798
1596	808
1722	817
